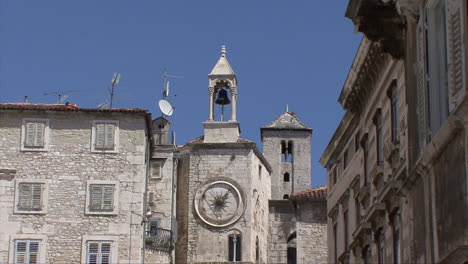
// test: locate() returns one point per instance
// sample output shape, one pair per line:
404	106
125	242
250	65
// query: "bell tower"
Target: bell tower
222	83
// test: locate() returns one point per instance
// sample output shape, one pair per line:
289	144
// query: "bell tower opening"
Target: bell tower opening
222	125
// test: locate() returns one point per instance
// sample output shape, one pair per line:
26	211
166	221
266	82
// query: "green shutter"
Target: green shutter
107	198
109	136
100	136
95	197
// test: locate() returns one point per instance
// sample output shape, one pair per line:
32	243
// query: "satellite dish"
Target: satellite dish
165	107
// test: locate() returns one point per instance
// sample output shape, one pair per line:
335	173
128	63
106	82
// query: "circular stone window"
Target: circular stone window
219	203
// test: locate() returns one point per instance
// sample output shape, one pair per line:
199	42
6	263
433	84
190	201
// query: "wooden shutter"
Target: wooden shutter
109	136
26	252
33	252
21	252
95	197
107	198
93	252
100	136
39	134
421	82
456	54
105	252
29	134
25	196
36	201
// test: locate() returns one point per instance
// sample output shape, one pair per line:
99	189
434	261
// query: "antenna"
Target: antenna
103	105
166	83
61	95
115	81
166	108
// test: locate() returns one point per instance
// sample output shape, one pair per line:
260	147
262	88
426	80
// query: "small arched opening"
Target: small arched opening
292	252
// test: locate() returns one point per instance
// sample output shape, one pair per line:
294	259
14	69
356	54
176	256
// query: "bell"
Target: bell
222	98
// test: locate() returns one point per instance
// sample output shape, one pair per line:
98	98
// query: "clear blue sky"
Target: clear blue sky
284	52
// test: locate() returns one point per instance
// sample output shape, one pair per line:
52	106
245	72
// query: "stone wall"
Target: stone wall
66	167
311	231
282	224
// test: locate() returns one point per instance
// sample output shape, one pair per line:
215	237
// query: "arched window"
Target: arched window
257	251
286	177
290	151
284	151
292	252
235	247
285	196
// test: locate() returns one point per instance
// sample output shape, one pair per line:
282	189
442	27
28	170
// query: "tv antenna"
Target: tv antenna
166	83
61	95
115	82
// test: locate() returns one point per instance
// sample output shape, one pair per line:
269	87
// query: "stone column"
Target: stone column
233	107
210	114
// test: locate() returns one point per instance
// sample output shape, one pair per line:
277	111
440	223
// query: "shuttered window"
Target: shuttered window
34	136
98	252
26	252
101	197
30	196
105	136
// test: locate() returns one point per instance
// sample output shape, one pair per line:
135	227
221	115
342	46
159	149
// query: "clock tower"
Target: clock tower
223	184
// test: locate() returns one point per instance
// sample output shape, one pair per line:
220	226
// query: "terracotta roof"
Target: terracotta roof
65	108
314	194
288	120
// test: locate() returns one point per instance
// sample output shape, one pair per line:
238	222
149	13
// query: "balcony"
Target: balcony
159	239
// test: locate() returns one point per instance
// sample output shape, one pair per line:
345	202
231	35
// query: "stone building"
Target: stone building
107	186
398	161
72	183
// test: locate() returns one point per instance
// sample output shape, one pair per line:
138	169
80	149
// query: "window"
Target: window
366	255
437	65
346	223
358	211
102	197
235	248
98	252
285	196
345	159
393	96
396	238
35	134
257	251
153	226
286	151
335	175
259	171
292	249
378	136
335	243
105	136
286	177
380	247
27	251
356	141
31	196
156	169
365	147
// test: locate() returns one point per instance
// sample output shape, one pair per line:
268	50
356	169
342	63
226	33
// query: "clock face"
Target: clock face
219	203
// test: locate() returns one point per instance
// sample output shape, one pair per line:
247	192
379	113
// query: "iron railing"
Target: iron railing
160	239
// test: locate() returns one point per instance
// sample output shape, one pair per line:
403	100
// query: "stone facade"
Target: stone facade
397	163
65	167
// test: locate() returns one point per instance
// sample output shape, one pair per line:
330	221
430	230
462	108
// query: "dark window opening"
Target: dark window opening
235	248
292	252
257	251
345	159
286	177
393	96
335	243
286	151
378	136
285	196
365	147
345	216
366	255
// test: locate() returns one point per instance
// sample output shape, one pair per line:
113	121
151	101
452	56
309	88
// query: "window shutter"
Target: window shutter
456	53
25	196
156	173
100	135
93	251
96	197
105	253
29	134
33	252
109	136
36	203
421	82
39	134
108	197
21	248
